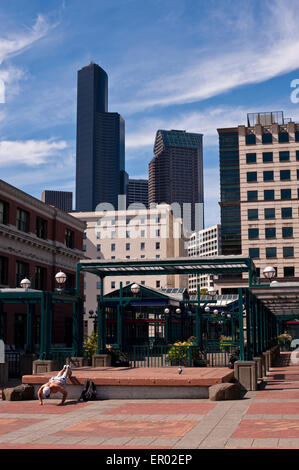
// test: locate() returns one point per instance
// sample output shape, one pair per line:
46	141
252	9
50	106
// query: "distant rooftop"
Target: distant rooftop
267	118
180	138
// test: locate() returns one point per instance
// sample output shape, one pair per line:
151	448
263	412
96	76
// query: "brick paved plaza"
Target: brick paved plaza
267	418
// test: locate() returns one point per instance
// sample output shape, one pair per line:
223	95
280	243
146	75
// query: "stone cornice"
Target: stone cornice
31	202
53	247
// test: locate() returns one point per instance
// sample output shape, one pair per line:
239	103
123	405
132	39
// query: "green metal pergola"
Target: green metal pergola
31	298
171	266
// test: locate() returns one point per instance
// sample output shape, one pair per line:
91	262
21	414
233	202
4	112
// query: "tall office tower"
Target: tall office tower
176	174
100	163
137	192
63	200
259	172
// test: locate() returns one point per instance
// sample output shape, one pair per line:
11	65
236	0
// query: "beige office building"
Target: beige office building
131	234
260	163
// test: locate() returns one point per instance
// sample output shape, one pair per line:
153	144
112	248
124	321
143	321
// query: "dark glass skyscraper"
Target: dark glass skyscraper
176	173
61	199
100	162
137	191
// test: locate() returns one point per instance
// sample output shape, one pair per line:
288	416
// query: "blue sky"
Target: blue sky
172	64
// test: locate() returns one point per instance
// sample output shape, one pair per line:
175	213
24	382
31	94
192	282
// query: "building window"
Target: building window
142	233
251	176
142	256
285	175
250	139
113	234
127	246
112	257
252	214
98	247
288	251
267	138
270	232
284	156
250	157
268	175
157	245
127	234
127	257
112	246
157	256
287	232
142	246
253	233
297	154
286	194
297	174
41	228
112	284
271	252
4	270
269	194
40	278
157	233
252	195
98	235
254	252
267	157
4	209
158	219
288	271
286	213
22	271
158	283
84	236
296	136
84	248
142	283
283	137
69	238
23	218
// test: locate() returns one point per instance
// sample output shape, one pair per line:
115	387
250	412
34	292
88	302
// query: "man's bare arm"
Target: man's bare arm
64	395
39	394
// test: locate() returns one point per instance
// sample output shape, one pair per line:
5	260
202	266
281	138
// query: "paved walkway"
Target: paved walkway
265	419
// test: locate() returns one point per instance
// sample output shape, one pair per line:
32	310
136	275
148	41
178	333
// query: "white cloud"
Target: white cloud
29	152
267	48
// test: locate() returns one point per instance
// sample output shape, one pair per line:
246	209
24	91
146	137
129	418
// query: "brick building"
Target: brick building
36	241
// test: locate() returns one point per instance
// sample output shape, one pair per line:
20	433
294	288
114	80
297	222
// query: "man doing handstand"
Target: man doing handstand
55	384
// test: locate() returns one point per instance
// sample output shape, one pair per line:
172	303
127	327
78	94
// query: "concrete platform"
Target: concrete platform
123	382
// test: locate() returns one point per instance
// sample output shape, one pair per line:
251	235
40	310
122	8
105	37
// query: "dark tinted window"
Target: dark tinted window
289	271
268	175
284	156
286	194
4	208
270	232
286	212
250	139
267	157
252	195
251	176
283	137
251	158
253	233
285	174
252	214
269	194
288	251
254	252
270	213
271	252
287	232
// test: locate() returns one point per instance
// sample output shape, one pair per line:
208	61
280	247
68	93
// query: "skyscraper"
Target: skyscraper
61	199
259	173
100	162
176	173
137	191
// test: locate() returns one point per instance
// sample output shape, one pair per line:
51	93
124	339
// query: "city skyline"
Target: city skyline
213	86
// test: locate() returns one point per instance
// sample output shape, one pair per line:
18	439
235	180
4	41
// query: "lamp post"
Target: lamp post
25	284
269	273
60	279
94	316
135	289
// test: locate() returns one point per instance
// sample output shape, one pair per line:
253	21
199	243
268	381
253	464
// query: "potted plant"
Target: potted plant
186	353
284	341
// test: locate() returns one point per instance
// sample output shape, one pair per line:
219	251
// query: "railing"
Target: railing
60	355
213	354
13	360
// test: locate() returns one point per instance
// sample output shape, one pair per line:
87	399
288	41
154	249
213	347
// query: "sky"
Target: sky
195	65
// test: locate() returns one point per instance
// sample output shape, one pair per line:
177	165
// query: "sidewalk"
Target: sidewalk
263	419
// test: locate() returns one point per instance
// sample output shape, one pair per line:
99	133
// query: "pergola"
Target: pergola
183	265
31	298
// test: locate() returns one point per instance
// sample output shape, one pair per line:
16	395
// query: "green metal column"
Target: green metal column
232	319
198	332
1	322
80	326
166	331
241	332
119	325
75	342
29	328
101	320
248	326
254	324
46	326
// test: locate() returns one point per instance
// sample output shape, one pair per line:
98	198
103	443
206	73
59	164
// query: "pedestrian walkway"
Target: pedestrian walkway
267	418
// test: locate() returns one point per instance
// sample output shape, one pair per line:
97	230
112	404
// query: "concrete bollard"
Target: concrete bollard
42	366
101	360
245	373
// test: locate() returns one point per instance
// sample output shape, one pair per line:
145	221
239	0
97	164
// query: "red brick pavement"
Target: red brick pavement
281	408
176	408
33	407
13	424
269	428
129	428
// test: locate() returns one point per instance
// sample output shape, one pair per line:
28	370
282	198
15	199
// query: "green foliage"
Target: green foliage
225	342
179	352
284	339
90	345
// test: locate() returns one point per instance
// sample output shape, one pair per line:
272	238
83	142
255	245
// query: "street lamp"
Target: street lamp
178	310
25	283
212	291
207	309
135	289
269	273
60	279
166	310
215	311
